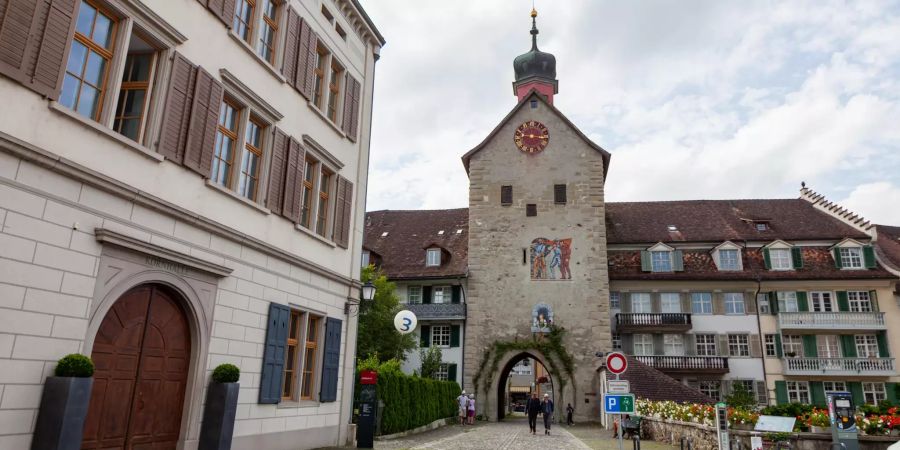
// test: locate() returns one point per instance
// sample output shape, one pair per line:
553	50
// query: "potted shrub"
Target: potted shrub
221	408
64	405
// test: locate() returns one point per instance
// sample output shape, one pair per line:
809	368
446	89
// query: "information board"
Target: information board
618	403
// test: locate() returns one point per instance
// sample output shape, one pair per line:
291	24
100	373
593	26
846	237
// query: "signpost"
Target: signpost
722	425
368	398
618	387
618	403
618	399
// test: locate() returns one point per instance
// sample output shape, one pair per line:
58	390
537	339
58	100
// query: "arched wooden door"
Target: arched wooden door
142	353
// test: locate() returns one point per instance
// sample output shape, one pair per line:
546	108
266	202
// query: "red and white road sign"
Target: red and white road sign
616	363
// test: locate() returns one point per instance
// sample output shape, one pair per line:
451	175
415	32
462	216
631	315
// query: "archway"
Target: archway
522	366
142	353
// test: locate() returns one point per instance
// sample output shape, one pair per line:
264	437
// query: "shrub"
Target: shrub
75	365
787	410
226	373
741	398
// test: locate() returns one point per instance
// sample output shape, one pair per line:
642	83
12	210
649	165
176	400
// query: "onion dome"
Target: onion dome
535	63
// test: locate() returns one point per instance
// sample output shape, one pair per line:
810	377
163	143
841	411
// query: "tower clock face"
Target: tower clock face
531	137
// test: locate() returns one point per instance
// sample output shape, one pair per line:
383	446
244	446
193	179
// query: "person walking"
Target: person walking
569	411
471	409
547	411
463	402
532	409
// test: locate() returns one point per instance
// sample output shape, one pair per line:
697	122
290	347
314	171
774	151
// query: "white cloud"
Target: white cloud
879	199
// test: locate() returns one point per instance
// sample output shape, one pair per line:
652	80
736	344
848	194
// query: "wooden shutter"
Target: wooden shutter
291	47
646	265
346	121
678	261
274	353
343	212
198	152
658	345
627	344
779	349
506	195
843	303
881	338
559	194
293	180
35	37
773	302
856	392
685	302
836	254
718	303
354	115
531	210
781	394
817	393
802	302
751	306
655	303
767	260
755	348
625	302
331	360
869	257
797	257
690	344
762	394
176	118
426	294
425	336
454	336
275	197
873	300
456	293
848	346
809	346
222	9
891	390
723	344
451	372
305	78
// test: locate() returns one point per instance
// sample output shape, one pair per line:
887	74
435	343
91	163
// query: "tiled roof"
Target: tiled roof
426	311
651	384
399	240
721	220
888	245
818	264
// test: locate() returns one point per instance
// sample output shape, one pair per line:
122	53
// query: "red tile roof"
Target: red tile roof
401	252
651	384
887	245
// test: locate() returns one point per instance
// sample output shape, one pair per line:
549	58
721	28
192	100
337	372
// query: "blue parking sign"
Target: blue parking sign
618	403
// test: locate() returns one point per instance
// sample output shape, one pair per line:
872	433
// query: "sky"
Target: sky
693	99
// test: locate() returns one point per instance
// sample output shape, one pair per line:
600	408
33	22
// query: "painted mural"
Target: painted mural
550	259
541	318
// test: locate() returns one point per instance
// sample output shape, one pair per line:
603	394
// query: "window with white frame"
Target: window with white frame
859	301
762	302
828	346
834	386
787	301
798	391
706	344
673	344
771	347
780	258
670	302
440	335
738	345
822	301
614	298
851	258
643	344
874	393
364	258
640	302
413	294
712	388
866	345
734	303
441	294
747	385
661	261
792	345
701	303
729	259
442	372
433	257
616	341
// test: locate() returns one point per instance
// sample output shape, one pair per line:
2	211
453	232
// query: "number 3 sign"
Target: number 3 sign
405	321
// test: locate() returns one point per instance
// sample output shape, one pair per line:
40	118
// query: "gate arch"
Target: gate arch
494	401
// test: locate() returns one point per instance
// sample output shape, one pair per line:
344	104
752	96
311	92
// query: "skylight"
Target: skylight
440	232
459	231
384	234
672	228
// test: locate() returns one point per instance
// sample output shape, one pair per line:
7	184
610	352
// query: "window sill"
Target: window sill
297	404
268	66
333	125
232	194
96	126
315	236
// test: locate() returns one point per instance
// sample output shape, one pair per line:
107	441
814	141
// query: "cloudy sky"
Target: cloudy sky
695	100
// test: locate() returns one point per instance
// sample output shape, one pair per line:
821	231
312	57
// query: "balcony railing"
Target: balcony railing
841	320
839	366
707	364
438	310
662	321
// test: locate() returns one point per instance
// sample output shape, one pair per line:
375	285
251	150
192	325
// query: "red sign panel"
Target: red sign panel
368	377
616	363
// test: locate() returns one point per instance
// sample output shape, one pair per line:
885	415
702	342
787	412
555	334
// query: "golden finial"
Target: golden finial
533	12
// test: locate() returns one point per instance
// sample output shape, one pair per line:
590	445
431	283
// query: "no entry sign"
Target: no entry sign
616	363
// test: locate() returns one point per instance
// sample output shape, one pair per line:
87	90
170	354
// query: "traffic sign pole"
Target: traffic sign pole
617	364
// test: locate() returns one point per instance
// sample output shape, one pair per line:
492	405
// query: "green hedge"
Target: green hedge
411	401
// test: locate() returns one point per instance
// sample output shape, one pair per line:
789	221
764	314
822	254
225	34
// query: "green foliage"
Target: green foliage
880	410
411	401
431	362
377	336
373	363
550	345
75	365
787	410
226	373
780	436
741	398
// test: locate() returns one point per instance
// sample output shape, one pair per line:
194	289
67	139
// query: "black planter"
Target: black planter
218	416
64	407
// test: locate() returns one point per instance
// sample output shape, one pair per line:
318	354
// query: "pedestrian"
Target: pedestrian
471	409
569	411
532	409
547	411
463	402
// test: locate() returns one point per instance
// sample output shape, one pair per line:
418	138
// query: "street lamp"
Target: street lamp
367	293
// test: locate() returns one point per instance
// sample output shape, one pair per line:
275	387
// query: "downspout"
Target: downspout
762	337
465	334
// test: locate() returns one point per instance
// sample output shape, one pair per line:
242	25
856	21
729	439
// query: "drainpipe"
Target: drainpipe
762	337
462	345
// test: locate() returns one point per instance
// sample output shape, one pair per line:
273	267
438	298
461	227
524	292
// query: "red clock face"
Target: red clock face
531	137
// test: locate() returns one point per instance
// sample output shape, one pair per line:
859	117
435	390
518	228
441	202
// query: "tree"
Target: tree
431	362
741	398
377	335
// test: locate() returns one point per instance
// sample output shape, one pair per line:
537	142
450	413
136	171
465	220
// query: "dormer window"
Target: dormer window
727	256
762	226
780	255
661	261
851	254
662	258
851	258
781	259
433	257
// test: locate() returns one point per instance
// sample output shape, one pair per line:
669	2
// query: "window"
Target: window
322	209
319	92
822	302
706	344
834	386
131	107
762	226
559	194
673	344
661	261
89	59
268	29
670	302
327	14
243	19
413	294
729	259
643	344
364	260
712	388
851	258
310	358
433	257
640	302
738	345
874	393
334	89
866	346
310	169
734	303
780	259
771	349
762	302
442	372
248	181
226	141
747	385
828	346
787	301
616	341
614	300
440	335
798	391
506	194
701	303
258	27
792	345
302	356
531	210
859	301
441	294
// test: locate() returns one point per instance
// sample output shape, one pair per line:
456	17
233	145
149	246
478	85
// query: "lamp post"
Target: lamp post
365	431
367	294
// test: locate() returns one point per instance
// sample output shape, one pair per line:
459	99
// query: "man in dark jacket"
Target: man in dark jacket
547	411
532	409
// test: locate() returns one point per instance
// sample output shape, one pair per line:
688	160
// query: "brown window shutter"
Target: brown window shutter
348	103
559	194
275	198
351	107
293	180
345	187
176	117
337	233
506	195
291	47
198	152
306	61
223	9
34	42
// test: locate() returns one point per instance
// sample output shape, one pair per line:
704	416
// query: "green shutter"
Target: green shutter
451	372
836	254
425	336
454	336
809	346
646	266
778	349
856	392
848	346
869	257
773	302
678	261
802	302
767	259
456	293
781	396
873	299
891	390
797	256
843	303
817	393
426	294
883	350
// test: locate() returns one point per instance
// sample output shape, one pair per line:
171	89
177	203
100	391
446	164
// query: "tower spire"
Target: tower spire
534	30
535	70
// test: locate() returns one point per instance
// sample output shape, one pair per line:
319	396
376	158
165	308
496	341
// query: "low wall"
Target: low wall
704	437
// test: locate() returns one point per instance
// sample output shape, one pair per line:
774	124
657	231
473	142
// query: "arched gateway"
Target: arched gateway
500	385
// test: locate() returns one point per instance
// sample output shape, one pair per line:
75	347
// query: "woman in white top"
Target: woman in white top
471	409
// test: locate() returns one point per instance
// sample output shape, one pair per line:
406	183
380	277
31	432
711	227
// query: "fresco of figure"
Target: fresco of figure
550	259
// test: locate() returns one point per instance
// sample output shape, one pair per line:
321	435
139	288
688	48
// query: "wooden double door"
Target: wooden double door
142	356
